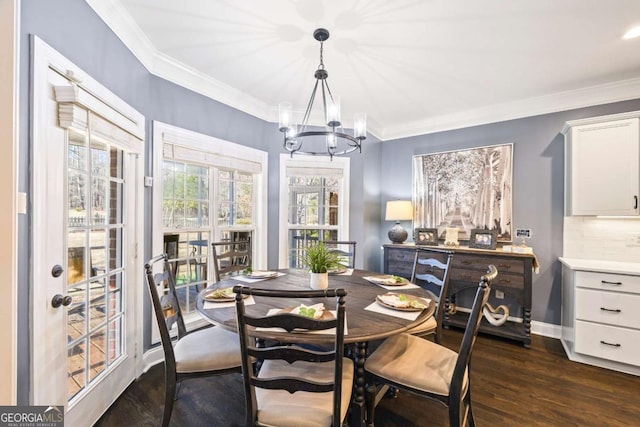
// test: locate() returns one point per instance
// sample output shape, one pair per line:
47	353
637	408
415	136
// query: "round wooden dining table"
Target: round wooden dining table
363	325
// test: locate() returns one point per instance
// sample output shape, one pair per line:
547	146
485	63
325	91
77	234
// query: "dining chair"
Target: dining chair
346	249
230	257
428	369
295	385
432	274
204	352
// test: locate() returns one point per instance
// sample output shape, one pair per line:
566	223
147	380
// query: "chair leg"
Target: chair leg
371	404
470	419
169	397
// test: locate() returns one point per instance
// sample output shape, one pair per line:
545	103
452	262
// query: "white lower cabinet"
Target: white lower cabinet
601	315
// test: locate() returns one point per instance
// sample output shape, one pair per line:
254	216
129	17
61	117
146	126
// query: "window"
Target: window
314	203
211	190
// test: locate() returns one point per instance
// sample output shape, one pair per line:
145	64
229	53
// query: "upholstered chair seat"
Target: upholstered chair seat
416	363
209	349
278	408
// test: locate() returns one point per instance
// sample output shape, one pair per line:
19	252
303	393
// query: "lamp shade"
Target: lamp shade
399	210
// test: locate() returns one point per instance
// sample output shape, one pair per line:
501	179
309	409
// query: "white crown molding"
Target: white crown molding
562	101
592	120
122	24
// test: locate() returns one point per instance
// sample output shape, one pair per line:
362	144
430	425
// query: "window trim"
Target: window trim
226	154
315	163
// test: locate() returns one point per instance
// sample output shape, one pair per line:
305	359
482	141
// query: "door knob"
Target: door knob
57	270
59	300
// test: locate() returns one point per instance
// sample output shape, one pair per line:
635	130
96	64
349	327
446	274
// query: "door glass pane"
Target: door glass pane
116	163
77	196
97	353
76	366
115	202
114	344
115	249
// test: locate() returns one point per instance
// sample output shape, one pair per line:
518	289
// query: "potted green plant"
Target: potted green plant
320	260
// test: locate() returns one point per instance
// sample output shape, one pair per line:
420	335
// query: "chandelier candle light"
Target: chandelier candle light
398	210
331	141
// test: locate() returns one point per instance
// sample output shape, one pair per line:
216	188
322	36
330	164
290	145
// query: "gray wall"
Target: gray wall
73	29
538	183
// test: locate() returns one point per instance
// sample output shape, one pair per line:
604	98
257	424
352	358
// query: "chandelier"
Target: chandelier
332	141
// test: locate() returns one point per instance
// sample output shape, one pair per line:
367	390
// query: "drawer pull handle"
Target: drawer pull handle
465	276
604	282
504	266
617	310
466	262
505	280
610	344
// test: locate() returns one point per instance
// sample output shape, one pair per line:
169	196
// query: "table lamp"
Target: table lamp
398	210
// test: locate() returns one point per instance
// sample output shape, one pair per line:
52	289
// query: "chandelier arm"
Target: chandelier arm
307	113
324	102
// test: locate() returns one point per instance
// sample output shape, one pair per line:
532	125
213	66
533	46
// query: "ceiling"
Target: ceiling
414	66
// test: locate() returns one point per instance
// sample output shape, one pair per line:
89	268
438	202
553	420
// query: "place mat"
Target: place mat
210	304
377	308
331	331
348	272
397	288
247	279
376	280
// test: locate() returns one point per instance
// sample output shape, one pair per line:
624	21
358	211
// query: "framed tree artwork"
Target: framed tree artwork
465	189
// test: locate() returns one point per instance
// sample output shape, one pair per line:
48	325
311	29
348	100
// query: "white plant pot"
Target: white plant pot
319	280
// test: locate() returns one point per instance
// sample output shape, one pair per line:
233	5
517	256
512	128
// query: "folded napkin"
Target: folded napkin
304	310
396	300
210	304
383	280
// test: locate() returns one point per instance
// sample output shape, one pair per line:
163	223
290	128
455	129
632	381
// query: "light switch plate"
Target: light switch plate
148	181
523	233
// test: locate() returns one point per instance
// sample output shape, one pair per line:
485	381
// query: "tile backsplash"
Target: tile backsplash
603	239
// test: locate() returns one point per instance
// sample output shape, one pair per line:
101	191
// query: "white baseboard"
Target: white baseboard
151	358
550	330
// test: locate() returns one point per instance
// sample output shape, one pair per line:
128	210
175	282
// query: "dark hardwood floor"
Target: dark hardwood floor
511	386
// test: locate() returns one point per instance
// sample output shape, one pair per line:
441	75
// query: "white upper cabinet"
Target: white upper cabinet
602	165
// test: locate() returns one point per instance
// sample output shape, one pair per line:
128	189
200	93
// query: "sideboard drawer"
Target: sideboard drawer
504	280
475	262
608	281
612	308
608	342
402	255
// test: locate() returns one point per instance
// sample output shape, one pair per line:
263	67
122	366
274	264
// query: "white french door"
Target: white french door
86	211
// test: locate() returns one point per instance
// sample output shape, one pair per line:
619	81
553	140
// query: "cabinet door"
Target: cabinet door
605	172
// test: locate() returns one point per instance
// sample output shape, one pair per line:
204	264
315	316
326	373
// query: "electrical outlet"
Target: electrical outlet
633	239
499	294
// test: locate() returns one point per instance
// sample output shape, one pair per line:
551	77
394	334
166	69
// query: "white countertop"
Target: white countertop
601	266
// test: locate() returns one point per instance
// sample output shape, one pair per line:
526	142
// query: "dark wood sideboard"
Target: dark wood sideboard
514	280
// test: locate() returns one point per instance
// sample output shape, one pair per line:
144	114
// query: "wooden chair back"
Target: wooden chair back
166	307
456	387
230	257
432	273
290	353
345	248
